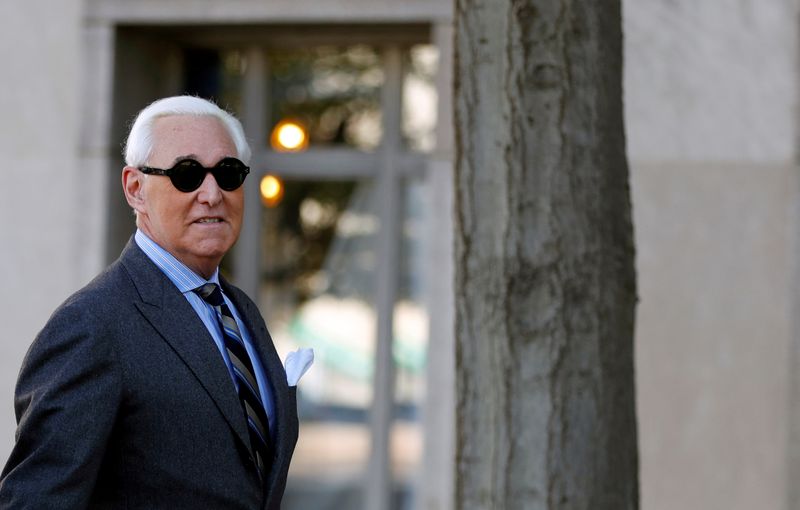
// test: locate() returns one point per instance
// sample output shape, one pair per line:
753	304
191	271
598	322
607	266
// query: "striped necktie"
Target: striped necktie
244	376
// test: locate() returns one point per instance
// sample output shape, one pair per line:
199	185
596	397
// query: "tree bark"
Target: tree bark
545	279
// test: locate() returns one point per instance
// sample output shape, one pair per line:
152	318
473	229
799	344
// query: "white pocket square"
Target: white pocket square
297	363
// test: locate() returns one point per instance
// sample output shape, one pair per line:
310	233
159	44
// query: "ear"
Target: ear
133	186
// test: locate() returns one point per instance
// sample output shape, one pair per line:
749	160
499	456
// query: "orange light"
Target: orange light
289	136
271	190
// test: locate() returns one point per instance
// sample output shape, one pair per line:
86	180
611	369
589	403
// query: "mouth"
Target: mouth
209	220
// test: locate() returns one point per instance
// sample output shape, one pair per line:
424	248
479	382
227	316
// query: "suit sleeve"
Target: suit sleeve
66	401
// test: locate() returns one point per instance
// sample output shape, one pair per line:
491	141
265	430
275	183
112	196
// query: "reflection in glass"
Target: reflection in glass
289	135
271	190
216	75
419	97
334	91
409	348
317	291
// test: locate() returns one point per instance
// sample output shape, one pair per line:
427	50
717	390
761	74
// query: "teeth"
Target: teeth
209	220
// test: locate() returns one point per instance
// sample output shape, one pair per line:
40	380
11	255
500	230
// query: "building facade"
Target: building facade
352	256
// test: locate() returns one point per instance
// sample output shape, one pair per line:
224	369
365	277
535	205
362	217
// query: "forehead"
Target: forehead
201	136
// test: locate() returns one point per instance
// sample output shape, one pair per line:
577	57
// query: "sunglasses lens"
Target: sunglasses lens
230	173
188	175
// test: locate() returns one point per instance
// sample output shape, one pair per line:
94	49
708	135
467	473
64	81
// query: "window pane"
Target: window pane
419	97
410	347
317	291
215	74
334	92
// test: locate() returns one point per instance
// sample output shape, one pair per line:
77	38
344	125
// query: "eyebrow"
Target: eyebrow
195	157
181	158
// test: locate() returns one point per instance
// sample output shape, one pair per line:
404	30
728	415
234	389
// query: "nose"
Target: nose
209	192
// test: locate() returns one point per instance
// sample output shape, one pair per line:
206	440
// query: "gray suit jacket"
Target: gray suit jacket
124	401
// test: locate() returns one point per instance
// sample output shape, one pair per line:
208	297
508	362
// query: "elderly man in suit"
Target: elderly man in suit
157	385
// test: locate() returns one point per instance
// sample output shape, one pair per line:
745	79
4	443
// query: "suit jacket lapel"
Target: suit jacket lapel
178	324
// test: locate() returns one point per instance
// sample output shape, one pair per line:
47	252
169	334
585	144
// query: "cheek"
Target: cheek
163	204
173	215
237	207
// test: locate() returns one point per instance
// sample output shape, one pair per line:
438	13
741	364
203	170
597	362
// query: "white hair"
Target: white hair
139	144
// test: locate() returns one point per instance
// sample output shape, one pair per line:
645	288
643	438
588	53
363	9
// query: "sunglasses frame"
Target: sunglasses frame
174	172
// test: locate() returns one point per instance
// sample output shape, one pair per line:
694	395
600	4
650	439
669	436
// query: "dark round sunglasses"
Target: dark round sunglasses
187	174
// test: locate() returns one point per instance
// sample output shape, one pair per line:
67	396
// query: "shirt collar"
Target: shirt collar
179	274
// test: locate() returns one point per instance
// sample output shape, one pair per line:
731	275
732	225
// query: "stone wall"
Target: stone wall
710	110
41	210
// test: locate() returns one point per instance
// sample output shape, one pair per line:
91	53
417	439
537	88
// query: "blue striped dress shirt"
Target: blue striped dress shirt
186	281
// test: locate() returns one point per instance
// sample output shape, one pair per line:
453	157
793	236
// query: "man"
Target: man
157	385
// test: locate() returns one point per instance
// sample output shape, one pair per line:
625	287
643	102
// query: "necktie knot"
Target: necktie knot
211	294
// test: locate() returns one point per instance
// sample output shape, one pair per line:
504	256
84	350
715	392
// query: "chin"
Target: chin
210	249
211	252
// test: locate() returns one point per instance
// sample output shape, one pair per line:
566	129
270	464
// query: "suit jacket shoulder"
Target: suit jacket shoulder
124	401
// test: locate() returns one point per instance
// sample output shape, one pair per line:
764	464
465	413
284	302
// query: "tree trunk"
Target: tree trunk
545	280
